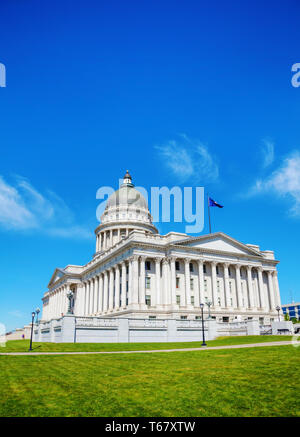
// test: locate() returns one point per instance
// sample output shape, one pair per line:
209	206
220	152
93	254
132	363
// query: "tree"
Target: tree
286	317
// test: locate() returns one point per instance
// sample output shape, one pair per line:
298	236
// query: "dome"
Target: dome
127	195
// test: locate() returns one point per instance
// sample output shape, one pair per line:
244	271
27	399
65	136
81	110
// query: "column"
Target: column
173	279
261	289
111	290
200	281
97	243
92	290
157	282
142	296
214	283
226	285
276	289
117	287
123	284
238	287
111	238
187	281
100	295
105	240
250	287
129	281
271	290
96	292
105	291
135	280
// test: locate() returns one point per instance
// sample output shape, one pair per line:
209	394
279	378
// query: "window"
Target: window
148	282
192	284
177	265
197	317
148	300
192	300
218	286
177	282
148	265
152	317
127	269
204	268
230	287
229	271
219	301
261	320
217	269
225	319
183	317
178	300
191	267
205	285
126	285
231	302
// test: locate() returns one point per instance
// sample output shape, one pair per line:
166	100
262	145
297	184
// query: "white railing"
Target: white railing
189	324
147	323
96	322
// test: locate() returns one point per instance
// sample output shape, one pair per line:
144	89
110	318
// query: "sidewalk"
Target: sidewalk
238	346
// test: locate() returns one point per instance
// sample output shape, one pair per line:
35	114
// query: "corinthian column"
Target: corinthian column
111	290
124	280
214	283
135	280
201	281
276	289
271	290
250	287
187	282
157	282
142	294
100	294
92	290
117	288
238	287
105	292
261	289
226	285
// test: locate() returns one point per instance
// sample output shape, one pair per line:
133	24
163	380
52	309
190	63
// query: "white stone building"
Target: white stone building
138	273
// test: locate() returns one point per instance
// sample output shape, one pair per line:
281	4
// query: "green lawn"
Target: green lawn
23	345
236	382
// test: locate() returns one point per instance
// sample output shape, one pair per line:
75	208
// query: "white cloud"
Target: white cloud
285	182
188	159
23	207
268	153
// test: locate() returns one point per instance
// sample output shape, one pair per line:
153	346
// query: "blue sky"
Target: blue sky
181	93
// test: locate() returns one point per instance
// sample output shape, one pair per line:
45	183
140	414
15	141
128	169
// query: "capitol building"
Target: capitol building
137	273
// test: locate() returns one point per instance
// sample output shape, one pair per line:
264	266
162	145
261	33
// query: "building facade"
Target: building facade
138	273
292	309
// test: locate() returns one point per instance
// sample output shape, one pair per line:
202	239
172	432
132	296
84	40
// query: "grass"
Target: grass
235	382
23	345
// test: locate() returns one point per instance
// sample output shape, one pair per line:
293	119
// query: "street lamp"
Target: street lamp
203	335
209	304
32	320
278	309
37	315
69	296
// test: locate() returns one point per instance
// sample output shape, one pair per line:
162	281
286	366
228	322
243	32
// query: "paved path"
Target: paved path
236	346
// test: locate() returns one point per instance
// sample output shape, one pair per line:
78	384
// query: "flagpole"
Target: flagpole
208	207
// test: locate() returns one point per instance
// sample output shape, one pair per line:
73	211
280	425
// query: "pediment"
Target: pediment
219	242
58	274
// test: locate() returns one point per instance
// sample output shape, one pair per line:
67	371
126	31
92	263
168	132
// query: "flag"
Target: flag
213	203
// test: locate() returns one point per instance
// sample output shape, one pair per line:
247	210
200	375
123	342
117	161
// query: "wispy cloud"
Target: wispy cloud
284	182
189	159
23	207
268	153
16	313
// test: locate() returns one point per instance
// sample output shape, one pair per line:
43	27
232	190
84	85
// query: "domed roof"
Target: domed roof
127	195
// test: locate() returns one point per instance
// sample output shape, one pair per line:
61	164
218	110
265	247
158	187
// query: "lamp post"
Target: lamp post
69	296
32	320
209	304
203	335
278	309
37	315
